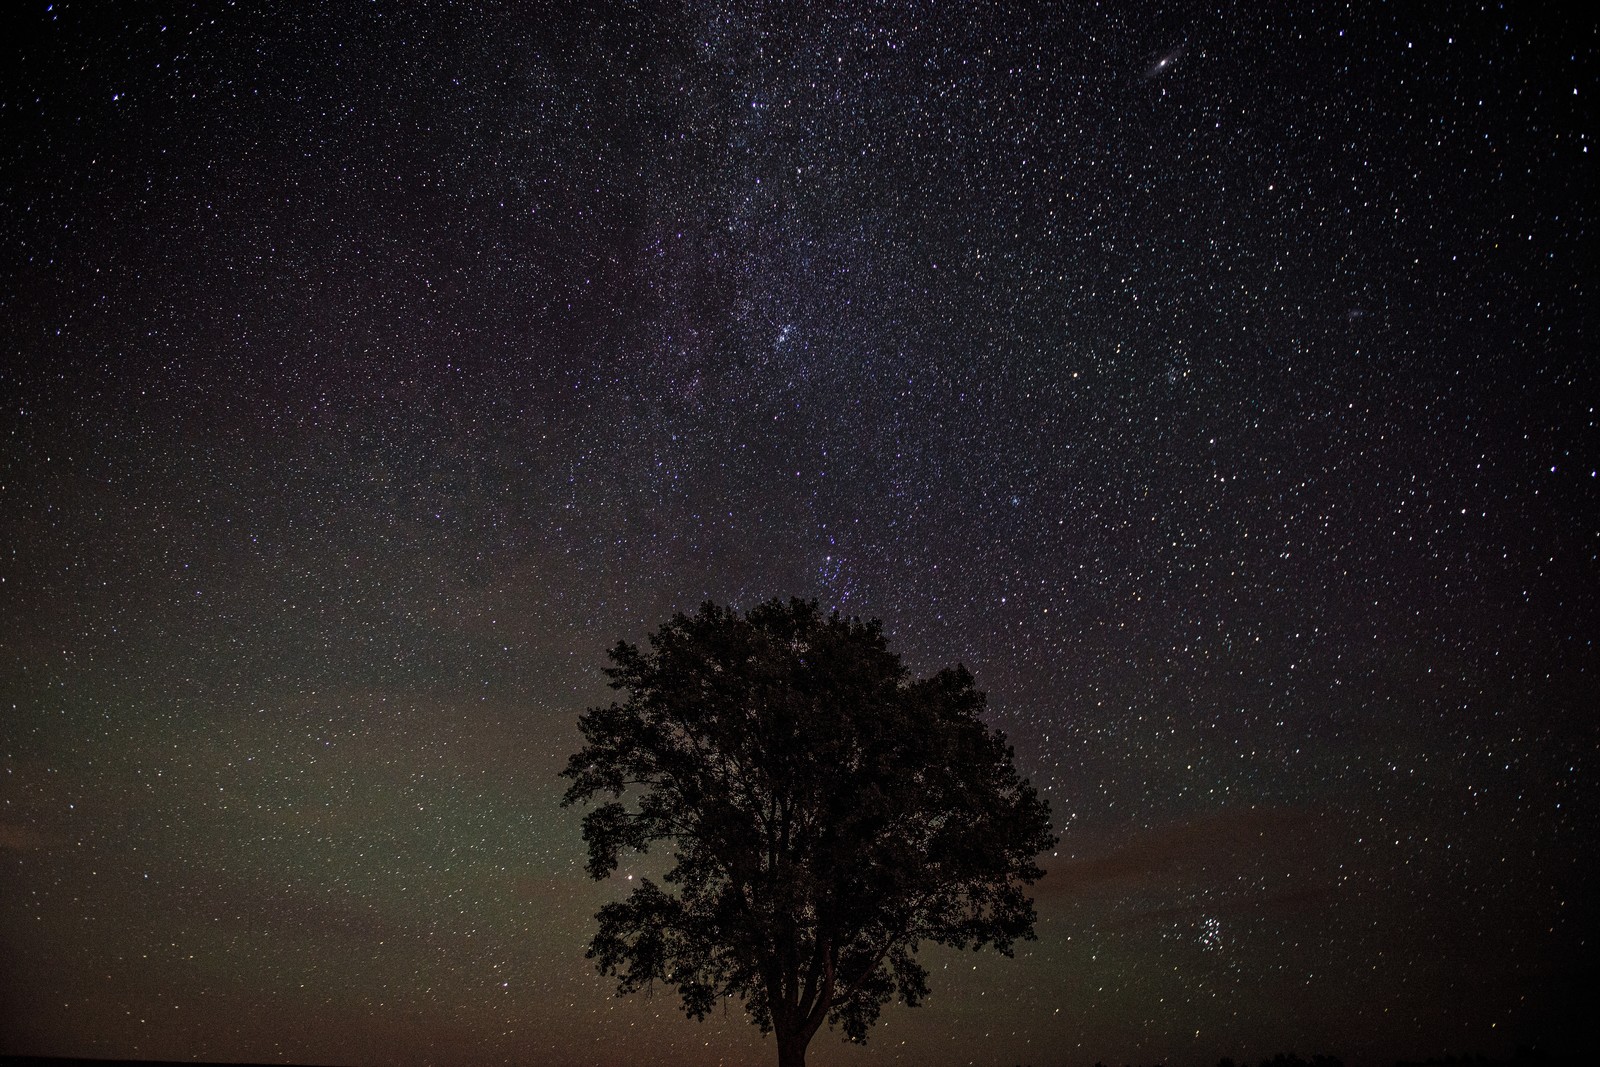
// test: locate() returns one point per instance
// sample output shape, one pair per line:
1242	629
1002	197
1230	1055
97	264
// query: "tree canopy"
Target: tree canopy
826	813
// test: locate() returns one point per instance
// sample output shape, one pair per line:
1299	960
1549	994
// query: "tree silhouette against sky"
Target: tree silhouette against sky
826	813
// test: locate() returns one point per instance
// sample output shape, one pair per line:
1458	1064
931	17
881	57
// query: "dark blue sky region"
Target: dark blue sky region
1215	381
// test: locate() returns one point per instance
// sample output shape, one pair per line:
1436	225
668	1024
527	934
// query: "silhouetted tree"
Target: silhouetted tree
826	814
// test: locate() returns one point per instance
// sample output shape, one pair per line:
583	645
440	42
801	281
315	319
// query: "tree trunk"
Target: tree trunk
792	1049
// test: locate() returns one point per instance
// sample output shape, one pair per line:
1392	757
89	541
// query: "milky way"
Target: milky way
1217	384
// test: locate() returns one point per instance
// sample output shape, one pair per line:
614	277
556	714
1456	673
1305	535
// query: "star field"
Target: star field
1215	382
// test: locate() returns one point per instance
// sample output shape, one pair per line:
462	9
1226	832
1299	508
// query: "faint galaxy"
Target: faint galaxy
1165	63
1216	381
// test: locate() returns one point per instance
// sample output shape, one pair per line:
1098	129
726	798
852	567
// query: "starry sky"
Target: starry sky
1216	381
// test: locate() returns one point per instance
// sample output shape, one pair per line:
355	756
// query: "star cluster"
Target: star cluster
1215	382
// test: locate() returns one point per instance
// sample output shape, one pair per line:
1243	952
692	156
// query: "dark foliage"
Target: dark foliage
827	813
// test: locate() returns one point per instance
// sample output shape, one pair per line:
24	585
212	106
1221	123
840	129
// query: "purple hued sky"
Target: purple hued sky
1217	382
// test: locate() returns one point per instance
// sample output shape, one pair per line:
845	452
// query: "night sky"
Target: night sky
1216	382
